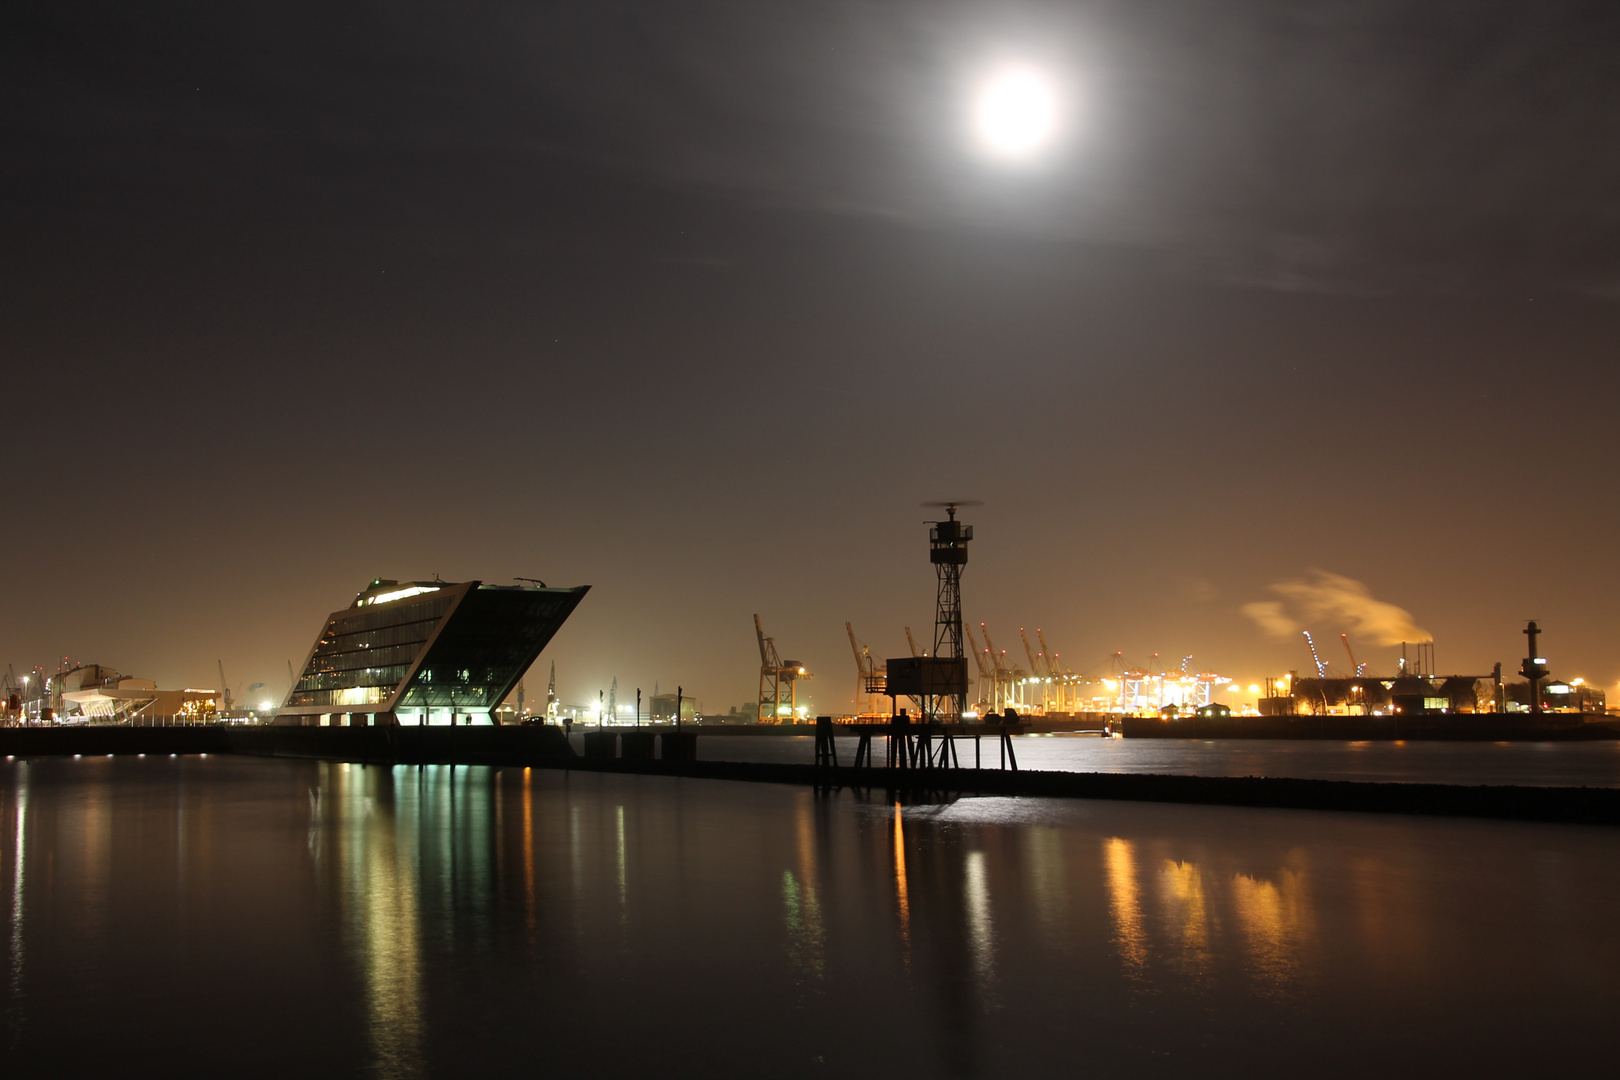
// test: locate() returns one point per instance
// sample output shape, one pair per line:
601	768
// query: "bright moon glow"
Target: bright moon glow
1015	113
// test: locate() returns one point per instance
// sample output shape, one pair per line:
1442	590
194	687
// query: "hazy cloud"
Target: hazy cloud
1269	616
1341	602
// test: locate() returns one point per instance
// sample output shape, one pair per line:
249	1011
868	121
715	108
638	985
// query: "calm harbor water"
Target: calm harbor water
247	917
1575	764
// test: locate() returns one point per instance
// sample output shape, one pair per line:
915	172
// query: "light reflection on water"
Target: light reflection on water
265	918
1130	937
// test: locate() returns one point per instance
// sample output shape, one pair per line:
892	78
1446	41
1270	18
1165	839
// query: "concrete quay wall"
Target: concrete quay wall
1489	727
408	745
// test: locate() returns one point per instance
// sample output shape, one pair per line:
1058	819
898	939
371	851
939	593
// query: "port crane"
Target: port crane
871	681
987	669
1359	669
911	641
1062	678
778	681
1003	695
1035	669
1321	665
12	690
226	702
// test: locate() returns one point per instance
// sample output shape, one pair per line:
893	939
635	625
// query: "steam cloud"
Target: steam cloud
1336	599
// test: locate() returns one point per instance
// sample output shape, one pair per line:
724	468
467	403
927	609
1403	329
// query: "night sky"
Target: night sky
697	302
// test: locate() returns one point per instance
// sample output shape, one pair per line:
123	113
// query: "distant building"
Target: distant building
425	652
97	694
661	709
1412	695
1558	696
1405	695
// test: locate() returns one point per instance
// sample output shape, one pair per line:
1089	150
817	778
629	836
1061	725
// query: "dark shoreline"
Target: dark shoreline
541	747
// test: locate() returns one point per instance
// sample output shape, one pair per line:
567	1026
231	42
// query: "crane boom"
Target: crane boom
766	645
1355	667
1051	668
1321	668
860	661
224	689
1034	668
995	657
986	671
912	642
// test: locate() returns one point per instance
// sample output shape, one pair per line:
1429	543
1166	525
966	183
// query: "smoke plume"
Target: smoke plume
1337	601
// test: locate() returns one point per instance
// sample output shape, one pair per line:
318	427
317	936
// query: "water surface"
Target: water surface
232	916
1558	764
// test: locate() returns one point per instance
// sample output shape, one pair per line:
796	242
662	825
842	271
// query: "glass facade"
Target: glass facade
493	637
439	650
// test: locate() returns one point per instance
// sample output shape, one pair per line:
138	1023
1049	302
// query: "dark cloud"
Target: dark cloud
1325	145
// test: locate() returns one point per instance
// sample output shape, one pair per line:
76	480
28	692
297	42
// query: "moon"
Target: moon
1015	113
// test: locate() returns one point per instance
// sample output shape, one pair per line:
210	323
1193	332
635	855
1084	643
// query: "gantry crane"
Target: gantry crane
778	681
987	669
1004	694
226	704
870	680
1035	670
911	641
1061	677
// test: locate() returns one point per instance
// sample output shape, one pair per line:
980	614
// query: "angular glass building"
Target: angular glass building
425	652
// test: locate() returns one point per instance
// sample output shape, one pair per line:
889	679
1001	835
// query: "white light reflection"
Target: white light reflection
19	864
807	944
981	933
624	900
379	858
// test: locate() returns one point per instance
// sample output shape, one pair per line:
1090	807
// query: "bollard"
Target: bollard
636	745
826	750
600	745
679	745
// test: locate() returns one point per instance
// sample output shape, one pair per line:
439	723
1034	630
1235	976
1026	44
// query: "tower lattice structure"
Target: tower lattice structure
948	551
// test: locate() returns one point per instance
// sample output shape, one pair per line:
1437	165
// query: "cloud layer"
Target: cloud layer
1341	602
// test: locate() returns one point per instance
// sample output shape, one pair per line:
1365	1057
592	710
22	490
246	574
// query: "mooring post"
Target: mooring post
826	752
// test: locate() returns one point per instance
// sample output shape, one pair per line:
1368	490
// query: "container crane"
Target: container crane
226	703
1060	677
870	680
1035	669
778	681
913	643
1003	695
987	670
